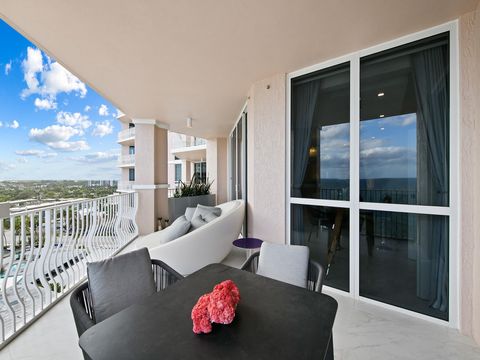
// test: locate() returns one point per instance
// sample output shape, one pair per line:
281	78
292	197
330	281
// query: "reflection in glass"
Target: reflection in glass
320	134
404	260
326	231
404	129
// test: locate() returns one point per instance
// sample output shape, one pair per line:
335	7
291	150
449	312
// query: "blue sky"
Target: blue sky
52	125
388	148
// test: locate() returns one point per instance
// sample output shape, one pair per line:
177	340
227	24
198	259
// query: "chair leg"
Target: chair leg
329	353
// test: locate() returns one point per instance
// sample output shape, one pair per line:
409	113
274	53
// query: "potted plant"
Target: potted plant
190	195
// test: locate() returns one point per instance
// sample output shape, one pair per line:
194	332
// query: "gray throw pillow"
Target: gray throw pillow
203	210
178	228
189	211
210	217
119	282
197	222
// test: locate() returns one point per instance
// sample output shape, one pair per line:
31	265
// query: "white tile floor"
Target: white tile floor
361	331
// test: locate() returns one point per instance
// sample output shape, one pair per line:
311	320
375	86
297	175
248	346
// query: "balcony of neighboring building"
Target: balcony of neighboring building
126	136
126	161
189	148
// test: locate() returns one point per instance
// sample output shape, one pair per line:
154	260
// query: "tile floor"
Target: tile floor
361	331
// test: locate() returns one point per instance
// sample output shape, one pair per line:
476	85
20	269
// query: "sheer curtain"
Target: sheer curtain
431	75
305	96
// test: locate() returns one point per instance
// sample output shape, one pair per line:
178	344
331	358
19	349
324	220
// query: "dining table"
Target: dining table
273	320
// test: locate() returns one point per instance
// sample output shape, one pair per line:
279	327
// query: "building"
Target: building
348	127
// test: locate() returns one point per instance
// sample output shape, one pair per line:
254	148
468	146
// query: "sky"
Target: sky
387	148
52	125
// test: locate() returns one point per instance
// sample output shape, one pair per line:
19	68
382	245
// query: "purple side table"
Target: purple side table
249	244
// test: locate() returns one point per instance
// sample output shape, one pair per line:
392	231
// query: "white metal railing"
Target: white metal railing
125	185
44	253
126	134
128	159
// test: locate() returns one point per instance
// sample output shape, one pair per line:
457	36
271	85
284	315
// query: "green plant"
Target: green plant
195	188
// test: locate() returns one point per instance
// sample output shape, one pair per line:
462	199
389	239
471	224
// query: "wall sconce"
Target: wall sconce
189	122
312	151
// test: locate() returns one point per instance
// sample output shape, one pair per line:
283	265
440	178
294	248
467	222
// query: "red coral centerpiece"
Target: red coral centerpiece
216	307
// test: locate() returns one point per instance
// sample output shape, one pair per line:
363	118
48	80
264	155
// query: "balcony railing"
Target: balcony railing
44	253
126	134
126	160
125	185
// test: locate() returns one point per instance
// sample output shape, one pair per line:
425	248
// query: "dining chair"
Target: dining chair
287	263
116	283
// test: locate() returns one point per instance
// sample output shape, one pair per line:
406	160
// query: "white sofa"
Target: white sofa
208	244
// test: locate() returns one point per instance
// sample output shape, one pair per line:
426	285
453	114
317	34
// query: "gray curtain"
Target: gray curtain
432	92
304	102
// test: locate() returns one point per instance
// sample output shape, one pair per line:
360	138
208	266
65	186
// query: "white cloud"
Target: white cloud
14	124
97	157
8	67
6	166
48	155
69	146
57	136
29	152
53	133
103	110
45	104
87	108
48	79
22	160
33	152
102	128
75	120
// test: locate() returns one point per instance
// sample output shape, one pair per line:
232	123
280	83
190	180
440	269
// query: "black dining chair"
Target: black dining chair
117	283
315	274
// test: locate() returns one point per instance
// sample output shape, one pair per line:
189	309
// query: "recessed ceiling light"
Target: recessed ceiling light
381	115
380	94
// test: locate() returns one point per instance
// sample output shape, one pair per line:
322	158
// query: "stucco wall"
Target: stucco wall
266	159
470	172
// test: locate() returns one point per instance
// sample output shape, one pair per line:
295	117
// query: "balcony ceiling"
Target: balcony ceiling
170	60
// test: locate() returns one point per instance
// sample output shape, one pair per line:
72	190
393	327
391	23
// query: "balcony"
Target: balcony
125	186
127	136
126	161
44	254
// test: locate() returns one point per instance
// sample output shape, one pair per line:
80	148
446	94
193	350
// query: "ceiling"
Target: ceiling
169	60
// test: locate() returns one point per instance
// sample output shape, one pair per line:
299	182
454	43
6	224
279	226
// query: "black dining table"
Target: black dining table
273	320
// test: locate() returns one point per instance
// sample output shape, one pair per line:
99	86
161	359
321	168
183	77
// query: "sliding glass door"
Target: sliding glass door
370	177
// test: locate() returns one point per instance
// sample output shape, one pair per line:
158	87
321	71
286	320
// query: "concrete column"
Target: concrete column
151	173
217	167
186	170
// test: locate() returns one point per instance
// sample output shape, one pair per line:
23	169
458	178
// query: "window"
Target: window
200	170
396	192
131	174
131	150
178	172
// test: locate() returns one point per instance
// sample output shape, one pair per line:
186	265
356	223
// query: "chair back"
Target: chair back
119	282
287	263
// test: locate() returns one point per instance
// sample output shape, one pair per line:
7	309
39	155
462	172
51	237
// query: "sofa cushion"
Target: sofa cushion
203	210
287	263
178	228
210	217
197	222
189	211
119	282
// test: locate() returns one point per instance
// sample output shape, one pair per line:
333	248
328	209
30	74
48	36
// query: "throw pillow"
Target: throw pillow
189	211
197	222
178	228
203	210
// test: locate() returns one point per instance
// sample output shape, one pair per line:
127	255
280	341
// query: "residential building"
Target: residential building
348	127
